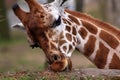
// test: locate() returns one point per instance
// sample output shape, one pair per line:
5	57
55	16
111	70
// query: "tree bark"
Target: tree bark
4	29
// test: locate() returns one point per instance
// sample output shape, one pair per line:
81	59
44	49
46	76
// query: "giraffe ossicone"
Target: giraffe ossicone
59	32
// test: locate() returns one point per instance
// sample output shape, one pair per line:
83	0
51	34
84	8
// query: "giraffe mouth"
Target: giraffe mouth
60	63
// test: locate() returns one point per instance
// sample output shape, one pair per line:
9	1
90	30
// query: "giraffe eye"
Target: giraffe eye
56	22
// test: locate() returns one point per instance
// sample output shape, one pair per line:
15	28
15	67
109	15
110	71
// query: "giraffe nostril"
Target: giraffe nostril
55	57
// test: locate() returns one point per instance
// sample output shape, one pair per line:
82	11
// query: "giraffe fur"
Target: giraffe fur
97	40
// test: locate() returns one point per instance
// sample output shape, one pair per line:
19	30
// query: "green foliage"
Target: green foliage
25	78
17	78
61	77
94	78
43	78
4	29
8	78
55	76
73	78
16	38
96	13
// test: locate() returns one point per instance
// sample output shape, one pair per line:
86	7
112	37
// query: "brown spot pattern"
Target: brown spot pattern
101	56
89	46
44	42
83	33
55	41
64	48
74	30
61	42
75	39
70	48
53	47
115	63
112	29
73	43
74	19
61	35
69	36
109	39
66	21
51	33
69	23
90	27
68	28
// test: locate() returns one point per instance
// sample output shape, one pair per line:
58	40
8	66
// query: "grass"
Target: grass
16	55
96	13
54	76
17	37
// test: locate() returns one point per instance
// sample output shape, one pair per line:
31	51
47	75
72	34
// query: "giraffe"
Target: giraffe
59	31
43	28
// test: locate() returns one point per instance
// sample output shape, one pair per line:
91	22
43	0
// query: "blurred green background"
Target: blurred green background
15	53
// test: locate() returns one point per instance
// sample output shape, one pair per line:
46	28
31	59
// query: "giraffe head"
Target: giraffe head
43	26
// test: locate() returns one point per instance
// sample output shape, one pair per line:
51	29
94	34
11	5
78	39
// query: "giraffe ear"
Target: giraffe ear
19	26
61	3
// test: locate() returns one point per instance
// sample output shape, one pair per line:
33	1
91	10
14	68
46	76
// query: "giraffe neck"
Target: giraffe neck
99	43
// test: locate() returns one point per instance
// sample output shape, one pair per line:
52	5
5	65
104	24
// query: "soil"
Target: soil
76	74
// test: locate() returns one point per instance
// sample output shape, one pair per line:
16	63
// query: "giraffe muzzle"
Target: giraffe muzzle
60	63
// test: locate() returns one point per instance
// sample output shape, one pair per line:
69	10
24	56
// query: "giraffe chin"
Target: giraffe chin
62	65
